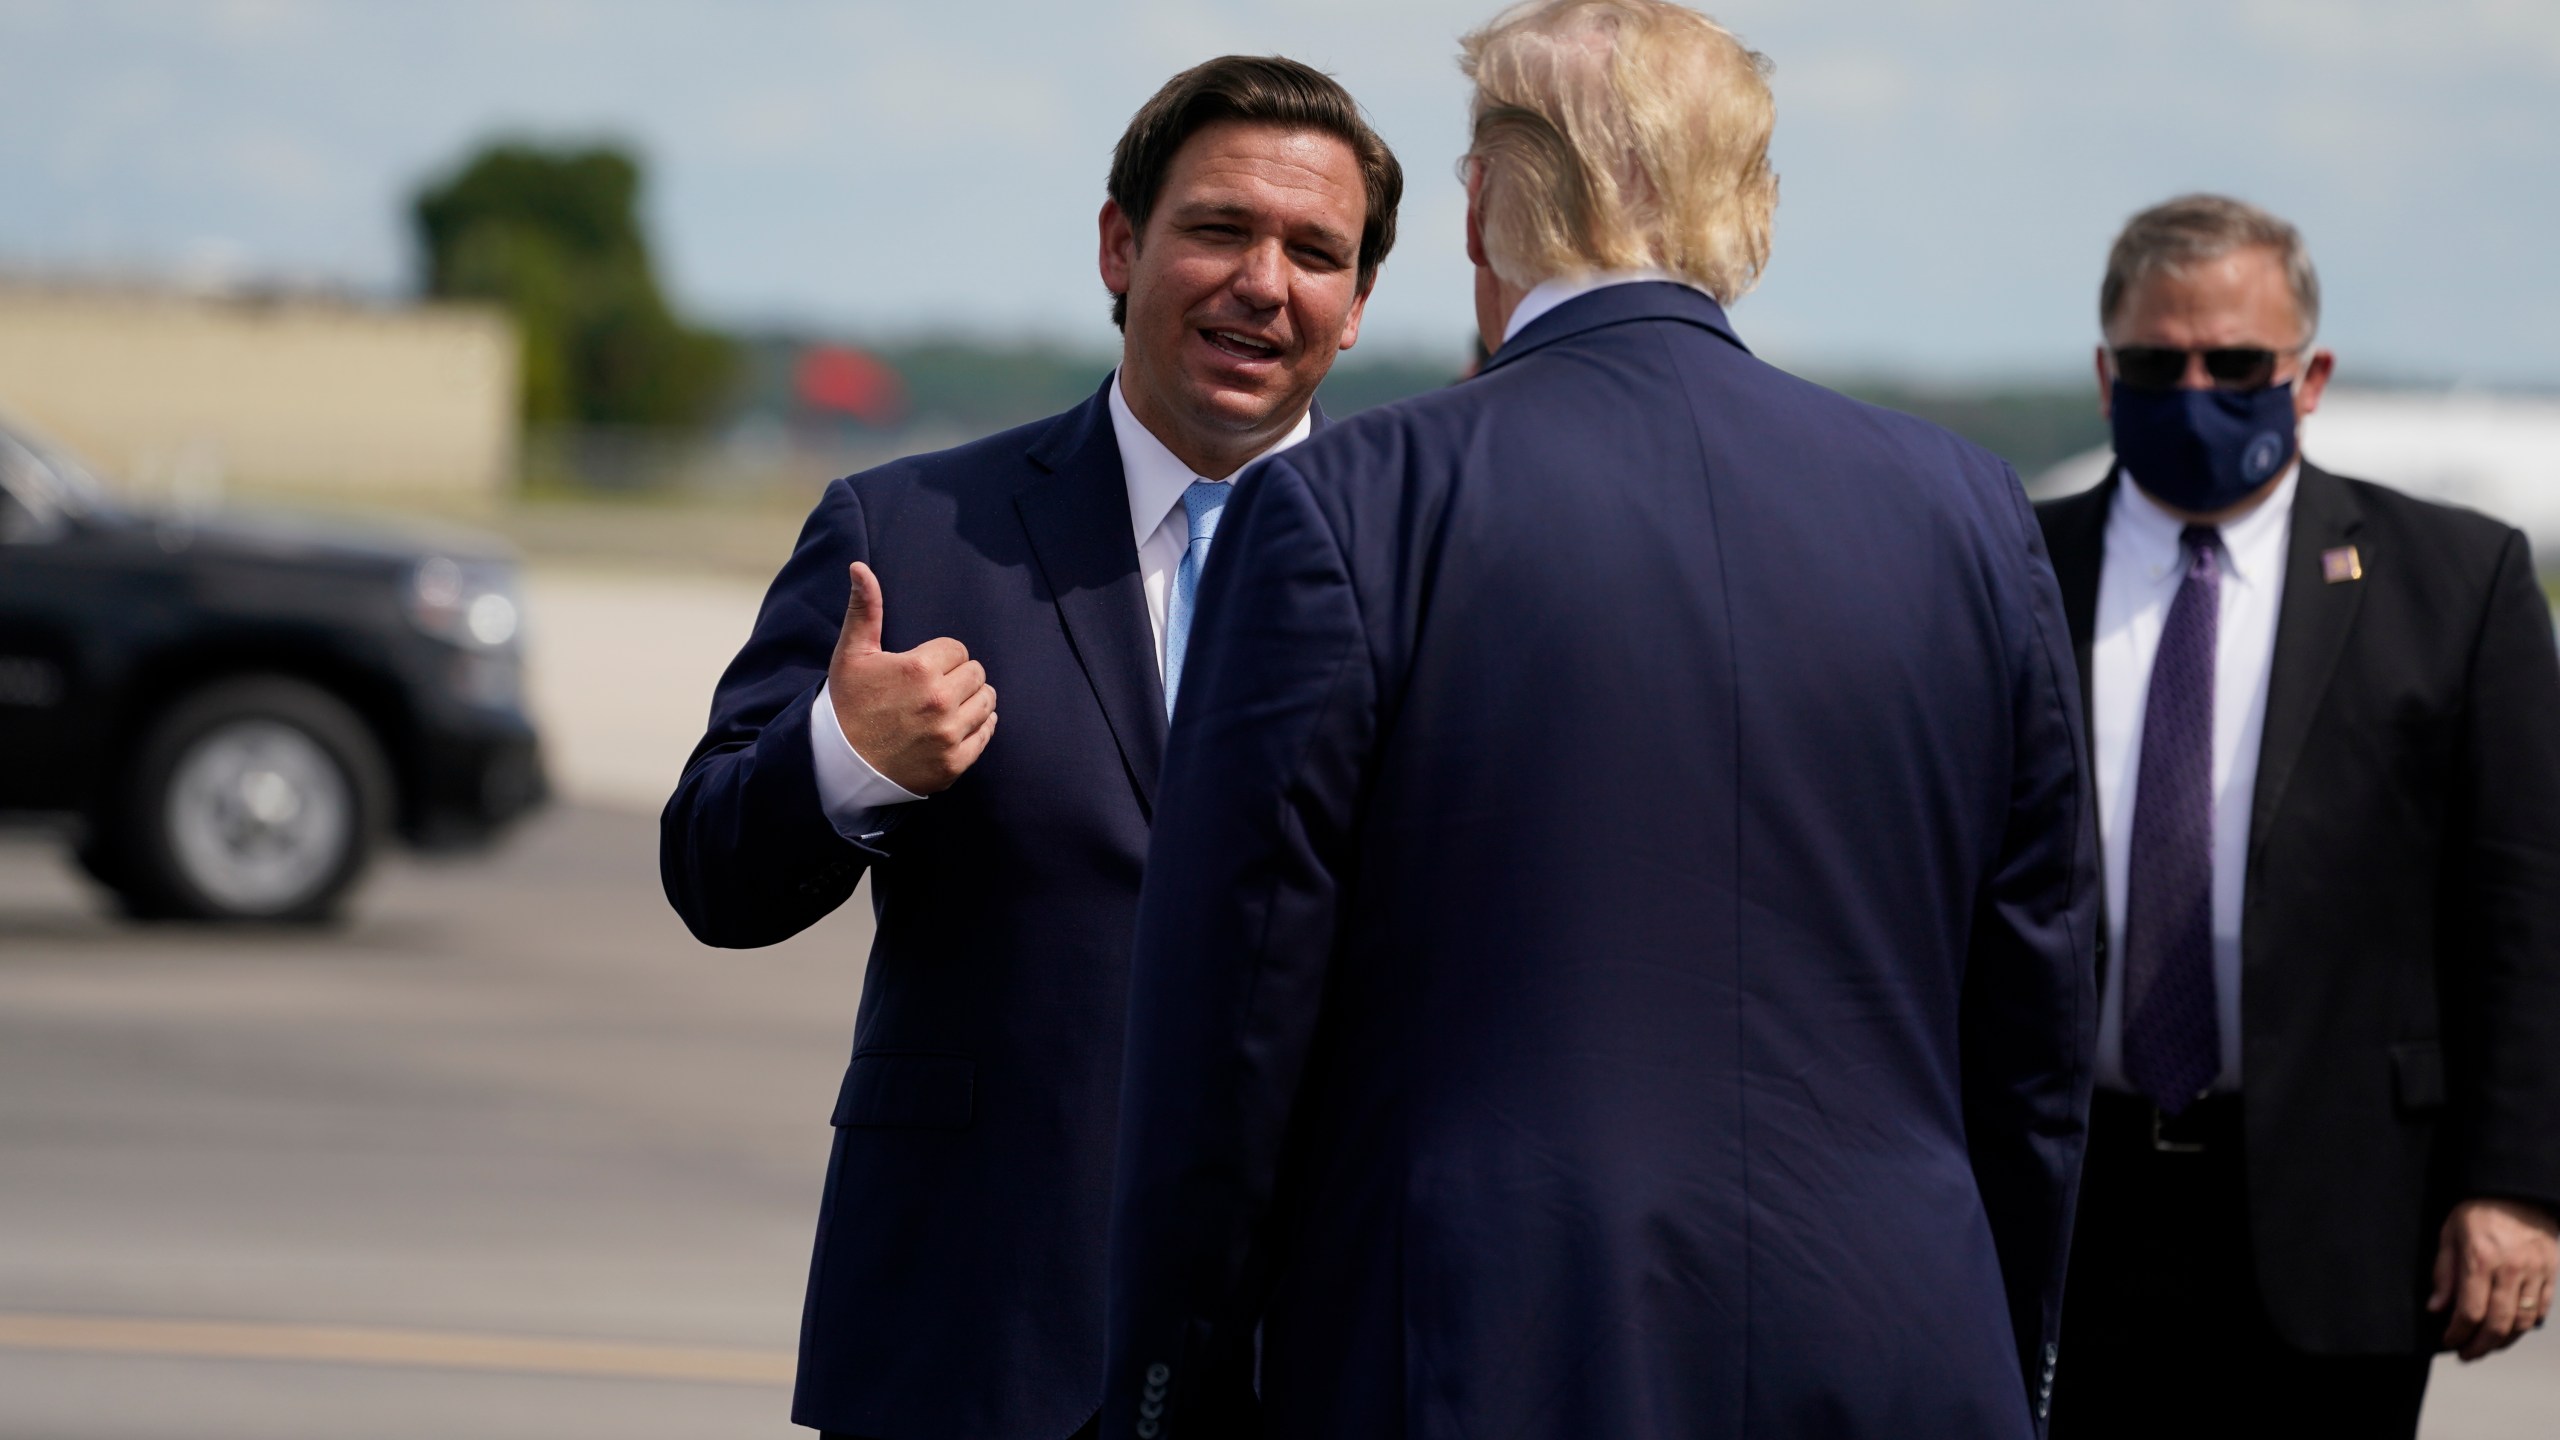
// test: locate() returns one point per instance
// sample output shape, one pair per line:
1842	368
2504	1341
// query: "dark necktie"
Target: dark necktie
2172	1032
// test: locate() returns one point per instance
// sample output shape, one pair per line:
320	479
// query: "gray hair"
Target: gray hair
2175	234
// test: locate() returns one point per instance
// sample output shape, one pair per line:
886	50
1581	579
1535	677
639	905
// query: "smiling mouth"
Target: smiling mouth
1241	346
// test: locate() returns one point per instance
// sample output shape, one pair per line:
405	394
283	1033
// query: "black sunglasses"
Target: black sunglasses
2233	367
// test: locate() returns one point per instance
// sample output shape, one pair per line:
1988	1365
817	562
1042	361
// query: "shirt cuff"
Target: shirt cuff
850	792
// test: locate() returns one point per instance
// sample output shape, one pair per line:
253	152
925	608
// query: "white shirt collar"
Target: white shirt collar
2252	546
1156	477
1550	293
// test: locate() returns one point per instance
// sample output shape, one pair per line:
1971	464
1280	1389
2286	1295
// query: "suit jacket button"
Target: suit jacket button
1159	1373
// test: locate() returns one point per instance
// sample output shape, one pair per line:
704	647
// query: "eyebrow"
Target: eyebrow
1230	210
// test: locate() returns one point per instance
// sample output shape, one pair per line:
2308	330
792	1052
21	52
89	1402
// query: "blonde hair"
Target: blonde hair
1620	135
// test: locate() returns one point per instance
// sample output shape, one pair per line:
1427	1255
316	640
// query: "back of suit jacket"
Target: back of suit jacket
2400	928
957	1282
1616	960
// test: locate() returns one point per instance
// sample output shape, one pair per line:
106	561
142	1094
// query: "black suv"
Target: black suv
233	711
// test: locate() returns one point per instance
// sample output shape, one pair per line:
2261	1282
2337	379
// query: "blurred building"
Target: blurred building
185	394
2492	452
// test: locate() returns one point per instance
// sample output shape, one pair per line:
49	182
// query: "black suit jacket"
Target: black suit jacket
2400	935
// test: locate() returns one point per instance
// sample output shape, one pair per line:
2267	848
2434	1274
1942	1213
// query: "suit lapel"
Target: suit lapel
2311	632
2076	539
1077	516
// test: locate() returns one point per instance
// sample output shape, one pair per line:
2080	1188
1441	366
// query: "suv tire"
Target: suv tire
258	798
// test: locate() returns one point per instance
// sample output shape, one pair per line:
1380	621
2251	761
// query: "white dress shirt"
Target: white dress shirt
2144	567
854	794
1156	478
1548	294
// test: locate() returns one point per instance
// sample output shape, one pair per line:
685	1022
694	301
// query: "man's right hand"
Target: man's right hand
920	717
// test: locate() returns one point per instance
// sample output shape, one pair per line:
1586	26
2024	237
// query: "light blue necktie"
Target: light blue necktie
1201	503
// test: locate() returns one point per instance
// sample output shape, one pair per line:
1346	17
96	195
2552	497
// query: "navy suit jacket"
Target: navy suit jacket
957	1284
1616	953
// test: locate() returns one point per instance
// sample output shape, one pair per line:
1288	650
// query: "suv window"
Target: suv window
20	524
38	494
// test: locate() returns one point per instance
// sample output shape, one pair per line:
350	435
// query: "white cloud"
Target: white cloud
1952	168
2443	39
556	20
781	122
278	166
98	126
1859	86
261	22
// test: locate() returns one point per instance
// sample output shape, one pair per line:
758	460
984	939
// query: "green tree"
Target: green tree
554	236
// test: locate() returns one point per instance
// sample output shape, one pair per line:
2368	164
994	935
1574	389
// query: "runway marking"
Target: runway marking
370	1345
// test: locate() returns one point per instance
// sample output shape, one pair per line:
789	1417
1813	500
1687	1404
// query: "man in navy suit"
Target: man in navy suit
1616	950
957	1287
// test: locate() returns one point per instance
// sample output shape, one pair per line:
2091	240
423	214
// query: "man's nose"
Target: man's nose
2197	377
1262	280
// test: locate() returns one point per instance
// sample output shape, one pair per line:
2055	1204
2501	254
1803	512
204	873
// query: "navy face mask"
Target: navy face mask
2202	450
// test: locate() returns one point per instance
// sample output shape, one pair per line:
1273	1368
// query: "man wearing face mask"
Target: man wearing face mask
2325	722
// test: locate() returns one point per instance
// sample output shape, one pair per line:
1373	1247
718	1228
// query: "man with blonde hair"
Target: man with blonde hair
1616	952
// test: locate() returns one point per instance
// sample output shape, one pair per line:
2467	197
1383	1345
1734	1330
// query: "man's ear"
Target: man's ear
1119	248
2314	382
1359	307
2106	387
1475	222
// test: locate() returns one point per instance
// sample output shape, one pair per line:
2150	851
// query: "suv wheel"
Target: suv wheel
254	799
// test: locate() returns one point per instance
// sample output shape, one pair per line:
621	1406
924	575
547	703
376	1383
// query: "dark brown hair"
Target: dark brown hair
1260	90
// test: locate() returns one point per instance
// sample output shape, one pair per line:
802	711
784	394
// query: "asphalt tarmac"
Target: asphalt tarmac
508	1155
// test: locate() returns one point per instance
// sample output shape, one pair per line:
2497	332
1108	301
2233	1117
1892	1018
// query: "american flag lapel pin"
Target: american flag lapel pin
2341	565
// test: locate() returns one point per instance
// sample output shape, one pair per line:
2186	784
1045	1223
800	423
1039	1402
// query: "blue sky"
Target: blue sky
1952	170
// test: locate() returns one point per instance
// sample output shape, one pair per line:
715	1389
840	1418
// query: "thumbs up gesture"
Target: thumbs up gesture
920	717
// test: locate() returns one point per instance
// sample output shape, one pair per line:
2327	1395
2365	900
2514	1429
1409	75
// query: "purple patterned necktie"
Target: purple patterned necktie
2172	1031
